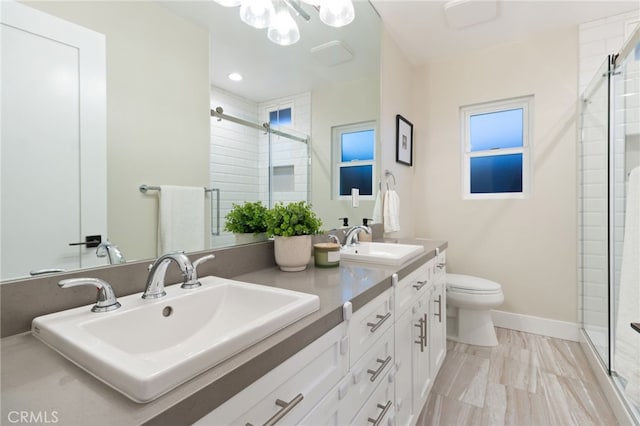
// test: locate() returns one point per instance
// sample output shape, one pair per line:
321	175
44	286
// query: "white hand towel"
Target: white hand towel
391	211
377	208
627	353
180	219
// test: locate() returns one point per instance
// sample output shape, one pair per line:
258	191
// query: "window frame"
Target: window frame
336	137
526	104
279	107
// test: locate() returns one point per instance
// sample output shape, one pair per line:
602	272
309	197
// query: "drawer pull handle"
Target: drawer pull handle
420	284
425	336
286	407
439	302
383	364
385	408
381	319
441	265
421	337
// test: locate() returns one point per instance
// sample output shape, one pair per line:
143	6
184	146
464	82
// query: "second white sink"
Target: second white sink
381	253
148	347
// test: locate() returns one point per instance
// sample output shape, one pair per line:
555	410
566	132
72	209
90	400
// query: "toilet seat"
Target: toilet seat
472	285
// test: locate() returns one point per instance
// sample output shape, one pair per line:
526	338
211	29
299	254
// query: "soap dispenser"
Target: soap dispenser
363	236
345	221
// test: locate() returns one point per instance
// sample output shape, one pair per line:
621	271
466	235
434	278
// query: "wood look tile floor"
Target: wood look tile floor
526	380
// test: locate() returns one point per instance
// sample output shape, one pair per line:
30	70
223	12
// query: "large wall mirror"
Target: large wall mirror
166	66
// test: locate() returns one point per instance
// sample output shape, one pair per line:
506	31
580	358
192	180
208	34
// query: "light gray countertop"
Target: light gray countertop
35	379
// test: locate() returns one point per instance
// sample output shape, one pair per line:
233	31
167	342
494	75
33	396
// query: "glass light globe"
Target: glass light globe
337	13
283	30
257	13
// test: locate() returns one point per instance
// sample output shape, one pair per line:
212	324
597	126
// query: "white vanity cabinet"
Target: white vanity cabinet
377	367
438	324
287	393
420	344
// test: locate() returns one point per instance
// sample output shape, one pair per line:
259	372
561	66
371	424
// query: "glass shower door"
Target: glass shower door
625	224
593	215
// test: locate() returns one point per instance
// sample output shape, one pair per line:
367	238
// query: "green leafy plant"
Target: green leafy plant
292	219
249	217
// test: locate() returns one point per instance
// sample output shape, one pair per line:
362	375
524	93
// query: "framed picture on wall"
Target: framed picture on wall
404	141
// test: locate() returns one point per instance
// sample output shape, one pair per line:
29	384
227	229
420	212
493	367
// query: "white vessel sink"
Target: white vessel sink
148	347
381	253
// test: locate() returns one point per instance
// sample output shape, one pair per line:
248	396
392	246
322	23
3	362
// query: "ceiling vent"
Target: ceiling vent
466	13
332	53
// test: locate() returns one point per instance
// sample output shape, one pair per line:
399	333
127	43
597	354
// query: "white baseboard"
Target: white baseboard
536	325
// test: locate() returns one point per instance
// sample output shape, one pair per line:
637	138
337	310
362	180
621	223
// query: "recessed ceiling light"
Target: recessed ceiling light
234	76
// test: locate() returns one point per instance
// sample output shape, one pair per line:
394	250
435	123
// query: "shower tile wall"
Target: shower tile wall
239	156
286	152
597	39
234	156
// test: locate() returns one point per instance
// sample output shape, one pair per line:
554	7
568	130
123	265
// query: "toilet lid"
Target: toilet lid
469	284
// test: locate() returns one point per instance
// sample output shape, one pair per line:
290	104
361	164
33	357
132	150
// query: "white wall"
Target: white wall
157	109
336	105
527	245
397	86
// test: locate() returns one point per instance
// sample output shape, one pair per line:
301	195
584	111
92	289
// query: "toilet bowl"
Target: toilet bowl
472	299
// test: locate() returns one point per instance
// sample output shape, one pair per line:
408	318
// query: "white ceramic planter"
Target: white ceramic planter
292	253
242	239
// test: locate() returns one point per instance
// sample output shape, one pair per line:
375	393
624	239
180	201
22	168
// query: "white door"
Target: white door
53	150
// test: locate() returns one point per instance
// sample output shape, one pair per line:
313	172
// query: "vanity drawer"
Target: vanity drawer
410	286
290	390
378	409
368	324
370	371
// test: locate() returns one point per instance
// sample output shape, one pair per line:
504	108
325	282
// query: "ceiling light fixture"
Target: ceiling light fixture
257	13
282	27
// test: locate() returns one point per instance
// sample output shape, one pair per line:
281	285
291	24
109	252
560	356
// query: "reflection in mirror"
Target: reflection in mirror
167	65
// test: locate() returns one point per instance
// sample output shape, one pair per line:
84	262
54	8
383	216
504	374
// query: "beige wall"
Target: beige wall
396	97
335	105
157	109
529	246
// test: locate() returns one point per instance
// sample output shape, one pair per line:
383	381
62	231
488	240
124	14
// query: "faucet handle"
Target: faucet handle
192	281
106	298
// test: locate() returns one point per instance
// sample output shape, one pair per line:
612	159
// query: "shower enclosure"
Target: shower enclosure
609	219
250	161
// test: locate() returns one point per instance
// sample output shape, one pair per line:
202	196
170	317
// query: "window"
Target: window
354	153
280	116
495	149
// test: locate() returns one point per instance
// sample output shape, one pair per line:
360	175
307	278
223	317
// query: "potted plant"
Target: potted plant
292	226
247	221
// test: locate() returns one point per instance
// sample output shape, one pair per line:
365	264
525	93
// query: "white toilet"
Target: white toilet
469	302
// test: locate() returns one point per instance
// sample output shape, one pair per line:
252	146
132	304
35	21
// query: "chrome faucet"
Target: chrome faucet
105	300
154	288
352	236
192	281
112	251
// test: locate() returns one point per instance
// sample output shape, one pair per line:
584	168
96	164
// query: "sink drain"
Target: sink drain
168	310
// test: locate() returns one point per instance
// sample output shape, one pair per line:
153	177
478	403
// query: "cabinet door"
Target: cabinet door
420	359
405	413
437	328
